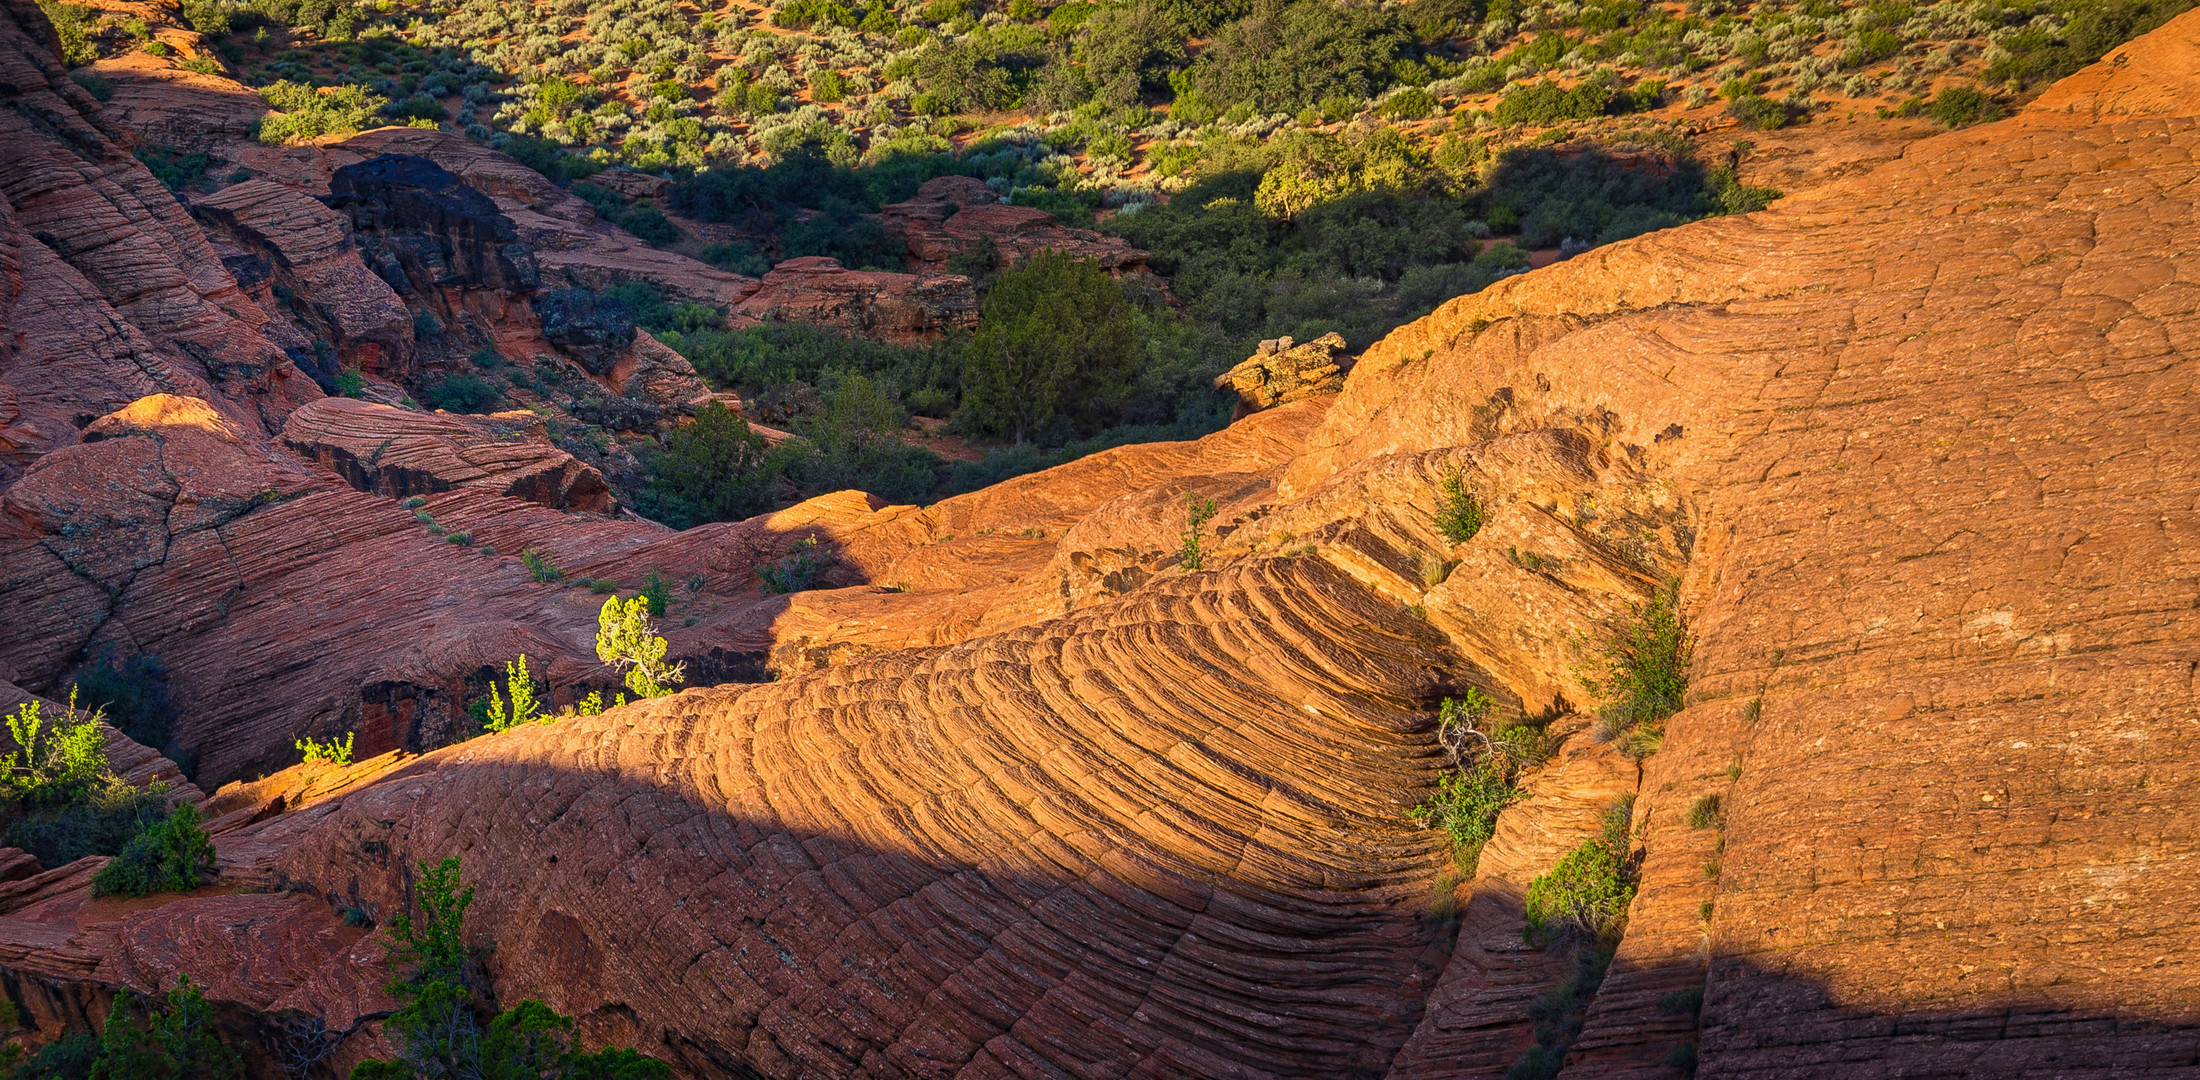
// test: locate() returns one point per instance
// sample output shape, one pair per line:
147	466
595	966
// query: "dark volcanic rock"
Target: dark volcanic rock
422	226
591	329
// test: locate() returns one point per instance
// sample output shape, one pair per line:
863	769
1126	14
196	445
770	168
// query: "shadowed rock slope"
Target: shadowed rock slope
1912	444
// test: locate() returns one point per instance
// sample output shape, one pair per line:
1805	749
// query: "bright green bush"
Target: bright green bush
304	113
517	704
1641	669
626	640
331	751
1584	897
1458	508
440	1033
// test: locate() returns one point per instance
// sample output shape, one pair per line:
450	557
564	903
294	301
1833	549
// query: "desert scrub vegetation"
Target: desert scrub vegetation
1191	552
58	797
1580	905
1640	671
332	751
627	640
169	1035
1489	756
170	855
449	1025
798	570
1458	508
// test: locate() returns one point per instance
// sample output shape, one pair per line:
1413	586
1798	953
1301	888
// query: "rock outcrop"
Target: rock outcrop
109	287
1282	372
951	213
309	251
1033	797
422	227
896	307
398	453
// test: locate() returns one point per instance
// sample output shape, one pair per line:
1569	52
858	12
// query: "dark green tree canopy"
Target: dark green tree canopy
1056	341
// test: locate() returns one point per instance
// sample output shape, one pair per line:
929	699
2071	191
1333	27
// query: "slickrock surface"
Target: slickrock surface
109	287
951	213
895	307
310	249
1913	443
398	452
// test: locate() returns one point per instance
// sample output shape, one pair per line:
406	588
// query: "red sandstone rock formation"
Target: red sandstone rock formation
896	307
950	213
309	248
397	452
1033	800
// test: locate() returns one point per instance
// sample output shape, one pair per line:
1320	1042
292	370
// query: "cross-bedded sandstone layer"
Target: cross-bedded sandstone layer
1031	799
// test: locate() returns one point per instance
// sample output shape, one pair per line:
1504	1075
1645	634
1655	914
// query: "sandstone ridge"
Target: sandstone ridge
1033	798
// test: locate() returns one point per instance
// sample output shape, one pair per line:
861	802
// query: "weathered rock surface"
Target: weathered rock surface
109	287
1282	372
951	213
424	227
896	307
397	453
310	251
1031	799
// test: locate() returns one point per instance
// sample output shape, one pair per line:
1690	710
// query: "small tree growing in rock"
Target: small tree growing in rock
627	640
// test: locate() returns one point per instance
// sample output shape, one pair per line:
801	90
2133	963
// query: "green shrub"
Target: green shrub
537	561
74	24
656	591
439	1032
1458	508
130	694
1686	1002
1962	106
1641	668
2092	28
650	225
1757	112
797	571
1584	897
1705	813
173	855
304	113
101	822
518	704
172	1036
350	382
1056	340
56	765
464	392
333	752
736	258
626	640
1197	513
174	170
712	468
99	87
1285	57
1412	103
1489	756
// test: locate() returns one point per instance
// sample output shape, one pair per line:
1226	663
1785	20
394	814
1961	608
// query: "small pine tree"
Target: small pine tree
1057	338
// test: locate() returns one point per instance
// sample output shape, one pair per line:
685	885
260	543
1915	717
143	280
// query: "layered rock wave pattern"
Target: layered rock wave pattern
1034	797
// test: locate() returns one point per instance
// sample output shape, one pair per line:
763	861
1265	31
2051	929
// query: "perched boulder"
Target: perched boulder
398	452
422	226
308	249
893	307
1283	372
591	328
